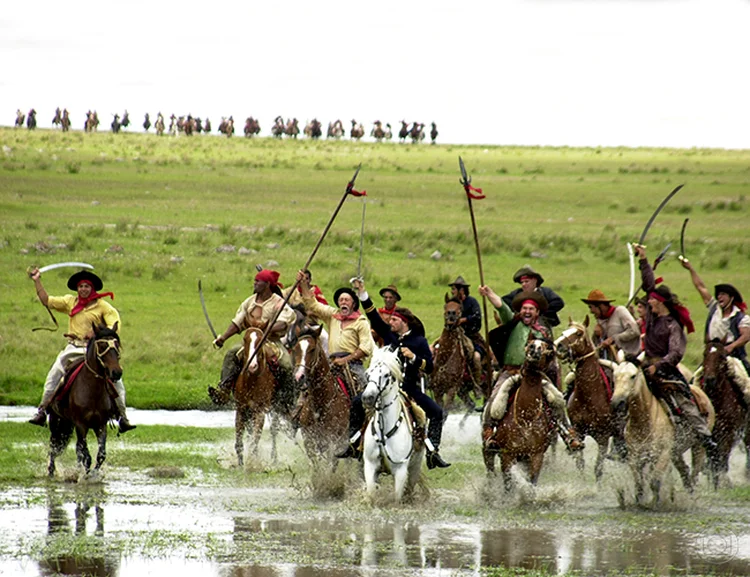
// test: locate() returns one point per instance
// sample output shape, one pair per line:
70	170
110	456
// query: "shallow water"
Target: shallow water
133	525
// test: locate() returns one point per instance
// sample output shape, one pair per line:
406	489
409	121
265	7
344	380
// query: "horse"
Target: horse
292	128
433	133
88	405
125	122
278	128
31	119
589	405
116	124
392	443
146	122
252	127
57	118
322	410
92	122
650	435
65	122
357	131
255	394
377	131
20	117
404	132
526	430
725	383
417	132
388	132
452	376
159	124
335	130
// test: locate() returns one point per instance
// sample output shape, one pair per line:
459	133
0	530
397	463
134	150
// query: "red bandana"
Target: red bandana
350	317
82	303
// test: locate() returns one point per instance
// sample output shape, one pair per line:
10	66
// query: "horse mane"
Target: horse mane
388	357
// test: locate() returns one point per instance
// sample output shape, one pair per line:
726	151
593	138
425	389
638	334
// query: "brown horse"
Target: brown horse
322	410
256	393
526	429
650	435
451	376
88	403
589	405
722	376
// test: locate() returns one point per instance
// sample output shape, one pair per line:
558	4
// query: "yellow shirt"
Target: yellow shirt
355	336
268	309
98	311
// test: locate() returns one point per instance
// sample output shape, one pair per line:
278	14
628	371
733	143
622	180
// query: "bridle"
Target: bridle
565	337
110	344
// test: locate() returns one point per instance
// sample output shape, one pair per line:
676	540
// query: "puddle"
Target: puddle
133	525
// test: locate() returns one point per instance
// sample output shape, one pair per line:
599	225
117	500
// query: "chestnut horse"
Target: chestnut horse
723	377
526	429
650	434
256	394
452	374
88	403
322	410
589	405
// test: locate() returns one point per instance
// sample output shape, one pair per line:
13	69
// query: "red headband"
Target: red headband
269	276
85	281
400	316
531	302
657	296
525	277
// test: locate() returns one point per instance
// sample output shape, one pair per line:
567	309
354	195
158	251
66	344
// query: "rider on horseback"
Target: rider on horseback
471	322
508	344
85	309
530	280
405	332
664	346
259	308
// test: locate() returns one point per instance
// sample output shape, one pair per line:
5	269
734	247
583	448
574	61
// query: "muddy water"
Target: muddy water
134	525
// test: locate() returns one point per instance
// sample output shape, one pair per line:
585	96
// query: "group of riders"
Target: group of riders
657	336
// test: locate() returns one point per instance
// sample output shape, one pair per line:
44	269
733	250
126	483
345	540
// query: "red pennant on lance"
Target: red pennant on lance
469	189
350	190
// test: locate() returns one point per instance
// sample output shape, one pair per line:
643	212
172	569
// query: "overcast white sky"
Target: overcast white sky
548	72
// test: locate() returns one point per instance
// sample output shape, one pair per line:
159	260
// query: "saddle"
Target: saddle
71	372
416	420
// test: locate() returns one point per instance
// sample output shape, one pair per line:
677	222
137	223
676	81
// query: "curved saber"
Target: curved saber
682	238
657	211
631	288
205	311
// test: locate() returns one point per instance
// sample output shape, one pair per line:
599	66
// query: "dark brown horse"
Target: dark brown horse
589	405
65	122
451	376
526	430
88	404
256	394
322	410
721	377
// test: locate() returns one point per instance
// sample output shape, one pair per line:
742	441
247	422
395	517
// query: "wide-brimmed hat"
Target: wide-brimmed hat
526	270
459	282
597	297
392	289
535	296
348	291
95	281
728	289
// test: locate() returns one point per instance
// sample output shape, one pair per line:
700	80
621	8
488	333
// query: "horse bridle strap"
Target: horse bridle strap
111	344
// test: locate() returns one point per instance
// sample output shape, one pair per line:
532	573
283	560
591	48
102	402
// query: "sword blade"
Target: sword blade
205	311
657	211
682	237
65	264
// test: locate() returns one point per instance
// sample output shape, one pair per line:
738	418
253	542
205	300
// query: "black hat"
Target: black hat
391	288
535	296
95	281
459	282
348	291
730	290
526	270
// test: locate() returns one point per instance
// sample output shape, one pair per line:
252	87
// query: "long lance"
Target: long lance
349	190
361	239
651	220
476	193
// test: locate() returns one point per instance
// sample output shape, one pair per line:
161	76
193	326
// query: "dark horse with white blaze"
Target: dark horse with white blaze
89	402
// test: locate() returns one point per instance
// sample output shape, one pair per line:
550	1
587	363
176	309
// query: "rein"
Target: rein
111	344
383	383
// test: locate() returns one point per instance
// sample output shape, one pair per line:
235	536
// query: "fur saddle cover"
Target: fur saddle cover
499	404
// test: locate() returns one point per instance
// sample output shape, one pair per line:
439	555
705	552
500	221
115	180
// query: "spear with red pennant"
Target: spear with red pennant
475	194
269	326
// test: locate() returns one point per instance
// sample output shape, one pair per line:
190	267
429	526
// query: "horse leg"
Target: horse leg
101	437
258	419
683	470
371	470
535	467
275	425
602	445
82	449
60	433
240	419
400	473
506	463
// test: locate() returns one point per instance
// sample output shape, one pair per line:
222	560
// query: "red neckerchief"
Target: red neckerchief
82	303
610	312
389	311
350	317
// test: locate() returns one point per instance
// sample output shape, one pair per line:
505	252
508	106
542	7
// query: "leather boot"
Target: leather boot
125	425
435	460
40	419
350	453
488	438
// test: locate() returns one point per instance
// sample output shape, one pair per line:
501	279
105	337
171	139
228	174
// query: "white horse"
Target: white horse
389	444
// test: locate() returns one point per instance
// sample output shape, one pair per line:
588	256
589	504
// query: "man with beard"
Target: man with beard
616	325
509	345
530	280
349	338
258	310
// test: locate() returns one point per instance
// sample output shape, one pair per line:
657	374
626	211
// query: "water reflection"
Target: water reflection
81	525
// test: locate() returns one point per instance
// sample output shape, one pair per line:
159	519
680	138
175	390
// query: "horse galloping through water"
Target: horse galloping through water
589	406
88	403
392	443
728	388
322	410
525	430
650	435
452	375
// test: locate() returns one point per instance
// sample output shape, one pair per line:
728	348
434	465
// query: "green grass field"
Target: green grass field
150	213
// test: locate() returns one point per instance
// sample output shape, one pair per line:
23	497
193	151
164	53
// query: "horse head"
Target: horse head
628	378
306	353
383	378
539	351
105	348
574	343
714	361
451	312
253	356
